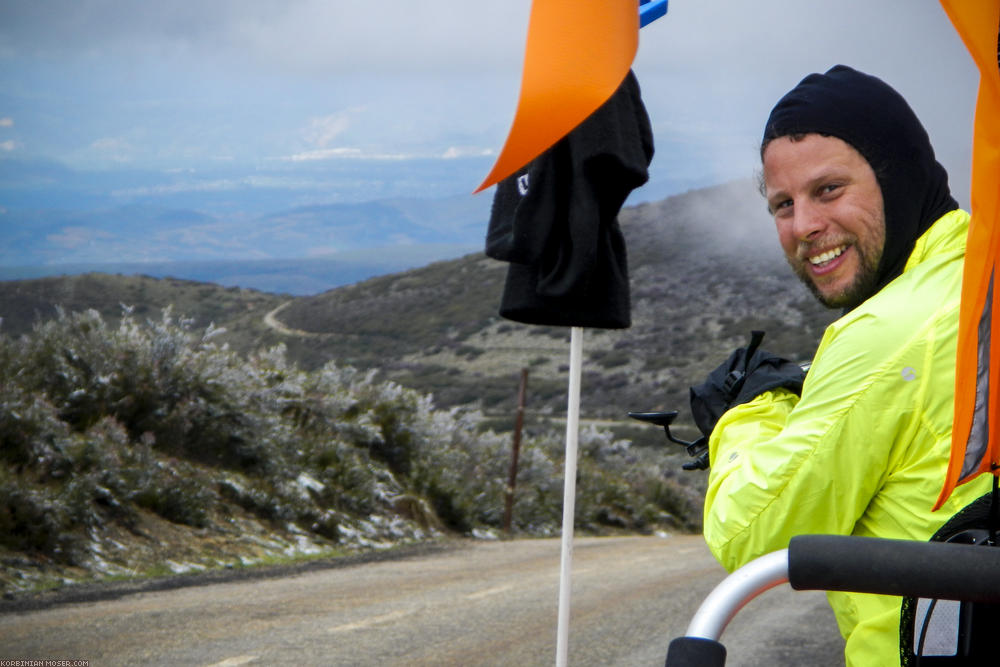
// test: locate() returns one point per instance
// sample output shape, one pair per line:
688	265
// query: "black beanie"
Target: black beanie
873	118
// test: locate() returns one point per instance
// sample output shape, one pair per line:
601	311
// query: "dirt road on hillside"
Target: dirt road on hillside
482	603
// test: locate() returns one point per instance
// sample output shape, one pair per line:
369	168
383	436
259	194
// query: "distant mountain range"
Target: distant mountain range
705	270
333	244
299	229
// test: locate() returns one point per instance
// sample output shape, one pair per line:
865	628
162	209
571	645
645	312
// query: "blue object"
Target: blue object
650	10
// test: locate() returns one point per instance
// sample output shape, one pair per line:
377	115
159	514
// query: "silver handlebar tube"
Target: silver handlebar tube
735	591
932	570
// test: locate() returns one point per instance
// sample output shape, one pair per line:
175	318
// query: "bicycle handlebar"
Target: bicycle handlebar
936	570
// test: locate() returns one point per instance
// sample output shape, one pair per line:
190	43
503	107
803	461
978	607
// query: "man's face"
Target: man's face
827	207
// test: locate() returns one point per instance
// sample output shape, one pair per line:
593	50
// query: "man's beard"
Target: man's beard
852	296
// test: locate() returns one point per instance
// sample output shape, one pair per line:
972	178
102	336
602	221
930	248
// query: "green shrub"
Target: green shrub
34	521
98	423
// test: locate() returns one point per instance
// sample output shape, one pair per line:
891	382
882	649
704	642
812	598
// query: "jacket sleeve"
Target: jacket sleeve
783	466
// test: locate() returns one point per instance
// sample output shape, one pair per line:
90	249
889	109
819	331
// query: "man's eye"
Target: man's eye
829	188
784	204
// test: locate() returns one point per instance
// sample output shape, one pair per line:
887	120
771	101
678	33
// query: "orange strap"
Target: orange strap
578	53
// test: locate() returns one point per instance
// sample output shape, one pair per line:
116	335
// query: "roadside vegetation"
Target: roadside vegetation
108	430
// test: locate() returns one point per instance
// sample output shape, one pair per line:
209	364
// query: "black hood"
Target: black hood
868	114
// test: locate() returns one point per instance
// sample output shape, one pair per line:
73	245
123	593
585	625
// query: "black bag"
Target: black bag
939	633
747	373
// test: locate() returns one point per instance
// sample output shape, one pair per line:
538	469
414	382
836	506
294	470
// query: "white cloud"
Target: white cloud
436	78
113	148
325	154
389	36
8	146
466	151
215	185
323	130
317	35
346	154
220	185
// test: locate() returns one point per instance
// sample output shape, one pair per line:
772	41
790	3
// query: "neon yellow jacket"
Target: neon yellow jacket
864	451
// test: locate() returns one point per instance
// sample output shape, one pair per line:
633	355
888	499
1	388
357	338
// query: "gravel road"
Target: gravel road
478	603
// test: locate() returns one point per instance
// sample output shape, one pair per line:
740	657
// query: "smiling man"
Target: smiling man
864	215
828	209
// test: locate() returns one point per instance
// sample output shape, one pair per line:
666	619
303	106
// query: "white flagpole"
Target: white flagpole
569	491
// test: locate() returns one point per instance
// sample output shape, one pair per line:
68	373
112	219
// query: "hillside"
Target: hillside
142	434
149	448
705	270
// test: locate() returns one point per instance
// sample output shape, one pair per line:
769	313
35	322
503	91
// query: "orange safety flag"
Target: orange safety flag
975	444
578	53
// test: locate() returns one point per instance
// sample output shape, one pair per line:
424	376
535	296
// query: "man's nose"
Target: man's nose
808	221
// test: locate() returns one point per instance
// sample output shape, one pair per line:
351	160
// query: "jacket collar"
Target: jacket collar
946	235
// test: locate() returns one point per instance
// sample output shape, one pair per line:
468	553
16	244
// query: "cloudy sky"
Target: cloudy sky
196	85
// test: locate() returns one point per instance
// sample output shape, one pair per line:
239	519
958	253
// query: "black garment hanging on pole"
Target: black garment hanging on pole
556	220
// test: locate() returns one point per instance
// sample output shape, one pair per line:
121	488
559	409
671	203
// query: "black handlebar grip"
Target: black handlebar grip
695	652
936	570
